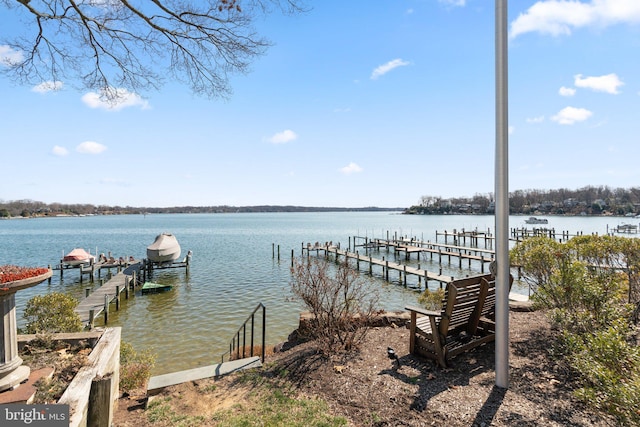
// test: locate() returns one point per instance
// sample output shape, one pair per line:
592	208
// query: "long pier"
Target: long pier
403	270
99	301
442	250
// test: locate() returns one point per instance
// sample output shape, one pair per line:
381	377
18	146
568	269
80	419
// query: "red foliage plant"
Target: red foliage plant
11	273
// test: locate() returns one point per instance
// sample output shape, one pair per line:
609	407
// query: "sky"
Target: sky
354	105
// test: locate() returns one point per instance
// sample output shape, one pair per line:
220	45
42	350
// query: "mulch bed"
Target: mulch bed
369	389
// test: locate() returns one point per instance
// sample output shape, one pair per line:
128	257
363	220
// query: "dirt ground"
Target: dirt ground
369	389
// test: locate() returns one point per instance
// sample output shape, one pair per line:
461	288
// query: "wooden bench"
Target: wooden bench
464	322
488	312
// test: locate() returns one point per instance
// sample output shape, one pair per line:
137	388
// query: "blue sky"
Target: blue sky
356	104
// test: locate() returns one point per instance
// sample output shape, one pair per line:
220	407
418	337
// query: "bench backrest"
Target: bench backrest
489	307
463	300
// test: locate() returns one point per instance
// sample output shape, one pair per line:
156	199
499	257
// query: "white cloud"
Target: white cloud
560	17
571	115
351	168
9	56
114	99
567	91
59	151
385	68
48	86
538	119
608	83
283	137
90	147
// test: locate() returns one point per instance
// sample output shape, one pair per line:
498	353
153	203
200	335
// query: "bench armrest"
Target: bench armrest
424	311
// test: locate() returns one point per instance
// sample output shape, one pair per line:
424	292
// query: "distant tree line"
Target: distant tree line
30	208
590	200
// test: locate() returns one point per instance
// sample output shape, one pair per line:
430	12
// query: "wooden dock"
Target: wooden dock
94	269
403	270
441	250
99	301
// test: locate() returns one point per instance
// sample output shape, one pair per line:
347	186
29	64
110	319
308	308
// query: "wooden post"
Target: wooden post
117	297
100	412
273	250
386	263
49	279
61	268
370	265
91	318
127	283
357	260
87	291
405	276
106	309
292	258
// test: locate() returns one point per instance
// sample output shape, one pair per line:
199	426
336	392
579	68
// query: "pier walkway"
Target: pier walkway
100	299
402	269
442	250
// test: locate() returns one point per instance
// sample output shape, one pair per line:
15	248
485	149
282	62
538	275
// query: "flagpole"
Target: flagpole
502	198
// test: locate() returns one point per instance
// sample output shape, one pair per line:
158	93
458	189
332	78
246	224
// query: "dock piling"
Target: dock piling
106	309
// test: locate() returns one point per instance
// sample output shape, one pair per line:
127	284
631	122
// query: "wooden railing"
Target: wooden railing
238	348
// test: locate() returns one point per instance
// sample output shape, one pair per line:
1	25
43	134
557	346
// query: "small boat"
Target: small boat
534	220
164	249
626	228
153	288
78	256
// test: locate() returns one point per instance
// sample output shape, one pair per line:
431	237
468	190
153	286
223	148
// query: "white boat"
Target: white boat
534	220
78	256
164	249
626	228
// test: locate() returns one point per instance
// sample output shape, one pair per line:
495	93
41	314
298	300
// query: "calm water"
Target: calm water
233	268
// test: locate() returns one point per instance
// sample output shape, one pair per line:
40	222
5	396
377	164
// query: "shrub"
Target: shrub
135	367
52	313
432	300
609	368
342	305
590	286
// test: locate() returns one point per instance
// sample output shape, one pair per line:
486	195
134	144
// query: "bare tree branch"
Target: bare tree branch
106	44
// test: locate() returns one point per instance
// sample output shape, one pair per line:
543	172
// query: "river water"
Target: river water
233	268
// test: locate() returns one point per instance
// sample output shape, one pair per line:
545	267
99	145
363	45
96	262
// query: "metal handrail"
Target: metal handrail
234	344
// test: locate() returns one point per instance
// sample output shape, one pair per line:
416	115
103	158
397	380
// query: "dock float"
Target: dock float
152	288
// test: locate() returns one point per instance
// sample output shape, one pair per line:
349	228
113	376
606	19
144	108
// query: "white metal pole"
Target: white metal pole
502	198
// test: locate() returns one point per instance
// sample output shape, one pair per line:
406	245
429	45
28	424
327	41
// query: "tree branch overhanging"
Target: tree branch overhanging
103	44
